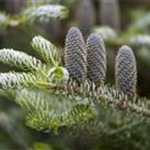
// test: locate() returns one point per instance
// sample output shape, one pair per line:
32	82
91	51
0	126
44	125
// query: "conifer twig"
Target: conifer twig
123	104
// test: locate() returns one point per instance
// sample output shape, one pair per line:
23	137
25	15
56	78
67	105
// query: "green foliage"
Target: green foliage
16	80
15	131
42	146
53	121
56	103
46	50
140	40
34	12
45	13
135	33
20	60
141	21
12	128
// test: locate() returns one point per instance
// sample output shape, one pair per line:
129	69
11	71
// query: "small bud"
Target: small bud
126	71
58	75
75	55
96	58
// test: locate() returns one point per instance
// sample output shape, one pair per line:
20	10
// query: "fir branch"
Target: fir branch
70	105
126	127
33	100
20	60
140	40
46	50
50	120
44	113
103	94
141	22
47	113
13	80
130	106
45	12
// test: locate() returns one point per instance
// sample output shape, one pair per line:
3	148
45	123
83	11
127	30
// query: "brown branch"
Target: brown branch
132	107
123	104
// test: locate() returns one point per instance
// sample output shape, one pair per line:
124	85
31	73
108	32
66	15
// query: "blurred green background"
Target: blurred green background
119	22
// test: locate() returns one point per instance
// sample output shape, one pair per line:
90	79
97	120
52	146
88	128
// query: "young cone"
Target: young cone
75	55
85	16
96	58
126	71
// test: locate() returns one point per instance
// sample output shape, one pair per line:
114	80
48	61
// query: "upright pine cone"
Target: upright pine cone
96	58
75	54
85	16
126	71
110	13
